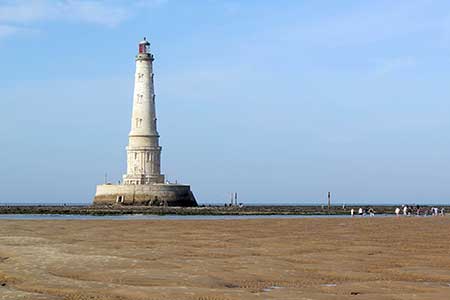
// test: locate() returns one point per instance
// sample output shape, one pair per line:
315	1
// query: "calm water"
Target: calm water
168	217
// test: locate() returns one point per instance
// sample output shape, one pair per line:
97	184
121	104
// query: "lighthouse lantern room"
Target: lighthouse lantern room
144	46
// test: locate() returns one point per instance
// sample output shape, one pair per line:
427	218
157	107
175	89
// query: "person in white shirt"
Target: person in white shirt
352	212
360	211
397	211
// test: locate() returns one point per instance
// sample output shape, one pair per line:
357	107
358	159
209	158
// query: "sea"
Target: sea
171	217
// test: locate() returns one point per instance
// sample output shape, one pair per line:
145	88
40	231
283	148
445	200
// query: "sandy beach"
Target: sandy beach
360	258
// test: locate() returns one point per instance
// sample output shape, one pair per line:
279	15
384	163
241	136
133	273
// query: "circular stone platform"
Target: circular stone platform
145	194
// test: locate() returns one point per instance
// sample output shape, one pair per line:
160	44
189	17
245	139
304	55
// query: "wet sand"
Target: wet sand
360	258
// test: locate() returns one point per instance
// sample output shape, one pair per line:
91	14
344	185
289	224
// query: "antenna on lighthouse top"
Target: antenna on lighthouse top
144	46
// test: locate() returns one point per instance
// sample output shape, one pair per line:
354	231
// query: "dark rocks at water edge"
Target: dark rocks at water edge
201	210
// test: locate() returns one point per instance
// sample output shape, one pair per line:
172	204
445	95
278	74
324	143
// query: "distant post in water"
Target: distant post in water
329	200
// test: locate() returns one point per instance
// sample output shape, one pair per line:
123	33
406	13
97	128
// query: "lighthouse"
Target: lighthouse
143	151
143	183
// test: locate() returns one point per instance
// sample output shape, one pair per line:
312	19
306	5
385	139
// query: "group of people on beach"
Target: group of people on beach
363	211
410	210
405	210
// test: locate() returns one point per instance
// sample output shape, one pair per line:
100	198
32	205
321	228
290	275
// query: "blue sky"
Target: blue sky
280	101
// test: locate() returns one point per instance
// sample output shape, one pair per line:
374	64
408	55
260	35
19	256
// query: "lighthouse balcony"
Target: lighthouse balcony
140	179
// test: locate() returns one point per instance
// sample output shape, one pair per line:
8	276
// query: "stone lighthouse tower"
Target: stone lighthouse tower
143	151
143	183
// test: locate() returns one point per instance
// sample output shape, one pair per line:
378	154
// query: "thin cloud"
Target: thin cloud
94	12
17	13
6	30
397	64
369	24
150	2
23	11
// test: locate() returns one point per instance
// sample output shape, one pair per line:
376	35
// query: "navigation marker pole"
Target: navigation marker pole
329	200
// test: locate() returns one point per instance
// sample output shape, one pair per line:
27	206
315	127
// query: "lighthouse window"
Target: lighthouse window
138	123
135	156
140	76
148	157
139	98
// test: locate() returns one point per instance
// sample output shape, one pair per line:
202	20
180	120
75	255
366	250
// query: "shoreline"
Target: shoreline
193	211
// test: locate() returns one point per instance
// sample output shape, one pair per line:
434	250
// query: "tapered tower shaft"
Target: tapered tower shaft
143	151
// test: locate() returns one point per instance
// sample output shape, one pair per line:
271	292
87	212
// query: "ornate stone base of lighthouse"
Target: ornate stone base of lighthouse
145	194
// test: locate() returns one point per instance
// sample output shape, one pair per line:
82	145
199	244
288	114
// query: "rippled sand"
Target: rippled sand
382	258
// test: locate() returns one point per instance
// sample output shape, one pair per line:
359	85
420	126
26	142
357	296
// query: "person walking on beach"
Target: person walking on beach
360	211
405	210
352	212
435	211
371	212
397	211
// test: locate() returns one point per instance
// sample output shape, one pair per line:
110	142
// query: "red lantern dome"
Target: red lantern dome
144	46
